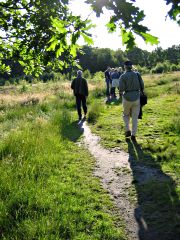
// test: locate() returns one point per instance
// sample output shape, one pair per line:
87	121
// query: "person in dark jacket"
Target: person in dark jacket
108	81
80	90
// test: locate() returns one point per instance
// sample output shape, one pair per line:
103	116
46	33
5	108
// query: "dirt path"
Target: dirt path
118	172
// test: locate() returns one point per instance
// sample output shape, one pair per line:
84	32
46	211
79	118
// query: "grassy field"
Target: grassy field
158	131
47	187
158	144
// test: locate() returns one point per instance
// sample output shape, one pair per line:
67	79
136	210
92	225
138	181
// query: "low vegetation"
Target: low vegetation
47	187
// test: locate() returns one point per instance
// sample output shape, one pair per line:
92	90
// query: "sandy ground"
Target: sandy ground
118	171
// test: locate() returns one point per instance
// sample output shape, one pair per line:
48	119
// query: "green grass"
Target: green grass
158	146
47	189
158	131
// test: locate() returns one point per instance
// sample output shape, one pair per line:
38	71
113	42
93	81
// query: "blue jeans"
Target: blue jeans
80	99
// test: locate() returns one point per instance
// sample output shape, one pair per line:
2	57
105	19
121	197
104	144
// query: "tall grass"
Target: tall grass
47	190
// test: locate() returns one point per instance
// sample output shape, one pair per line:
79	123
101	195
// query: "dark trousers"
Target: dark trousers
140	113
108	87
80	99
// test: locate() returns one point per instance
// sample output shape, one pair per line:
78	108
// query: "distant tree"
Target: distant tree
172	54
138	56
97	59
120	57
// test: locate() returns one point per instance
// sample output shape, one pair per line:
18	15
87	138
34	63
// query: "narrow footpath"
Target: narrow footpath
118	171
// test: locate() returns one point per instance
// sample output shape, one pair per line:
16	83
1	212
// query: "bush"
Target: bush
142	70
98	76
7	83
94	112
159	68
174	67
87	74
47	76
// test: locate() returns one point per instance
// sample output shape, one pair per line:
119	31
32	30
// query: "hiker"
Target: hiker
115	82
80	89
130	89
108	82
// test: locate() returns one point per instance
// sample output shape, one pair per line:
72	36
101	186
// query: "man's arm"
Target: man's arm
141	82
121	85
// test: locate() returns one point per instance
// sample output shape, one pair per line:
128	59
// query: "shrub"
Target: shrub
159	68
24	88
7	83
98	76
173	67
87	74
47	76
94	112
142	70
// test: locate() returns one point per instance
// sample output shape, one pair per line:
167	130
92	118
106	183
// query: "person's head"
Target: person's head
79	73
128	65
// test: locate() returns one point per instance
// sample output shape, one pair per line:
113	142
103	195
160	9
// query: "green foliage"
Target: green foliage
160	68
98	76
94	112
24	88
158	130
43	32
97	59
47	188
175	123
87	74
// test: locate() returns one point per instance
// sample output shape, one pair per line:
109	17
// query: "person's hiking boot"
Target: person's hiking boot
133	138
127	134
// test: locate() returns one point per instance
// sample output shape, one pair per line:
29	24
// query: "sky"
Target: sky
165	29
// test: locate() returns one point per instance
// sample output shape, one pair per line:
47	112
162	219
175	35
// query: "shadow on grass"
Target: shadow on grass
72	131
158	206
114	101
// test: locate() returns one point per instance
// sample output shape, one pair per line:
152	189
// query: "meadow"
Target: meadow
47	186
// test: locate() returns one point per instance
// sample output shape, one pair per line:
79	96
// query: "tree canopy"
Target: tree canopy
39	33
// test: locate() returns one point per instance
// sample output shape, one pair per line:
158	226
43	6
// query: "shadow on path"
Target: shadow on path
158	205
73	130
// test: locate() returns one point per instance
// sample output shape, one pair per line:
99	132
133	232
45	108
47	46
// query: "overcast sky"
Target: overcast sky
166	30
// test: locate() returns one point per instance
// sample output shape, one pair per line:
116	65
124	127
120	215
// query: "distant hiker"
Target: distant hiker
115	82
80	89
130	90
108	82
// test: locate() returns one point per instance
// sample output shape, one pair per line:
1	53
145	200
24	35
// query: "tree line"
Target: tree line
97	59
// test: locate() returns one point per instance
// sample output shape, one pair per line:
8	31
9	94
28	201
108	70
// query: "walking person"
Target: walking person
115	82
108	82
80	89
130	89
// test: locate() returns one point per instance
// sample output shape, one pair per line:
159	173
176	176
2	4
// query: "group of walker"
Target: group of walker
129	84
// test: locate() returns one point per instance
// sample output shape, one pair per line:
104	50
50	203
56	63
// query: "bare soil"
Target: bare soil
123	177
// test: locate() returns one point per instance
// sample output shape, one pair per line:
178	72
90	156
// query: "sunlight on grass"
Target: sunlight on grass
46	184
